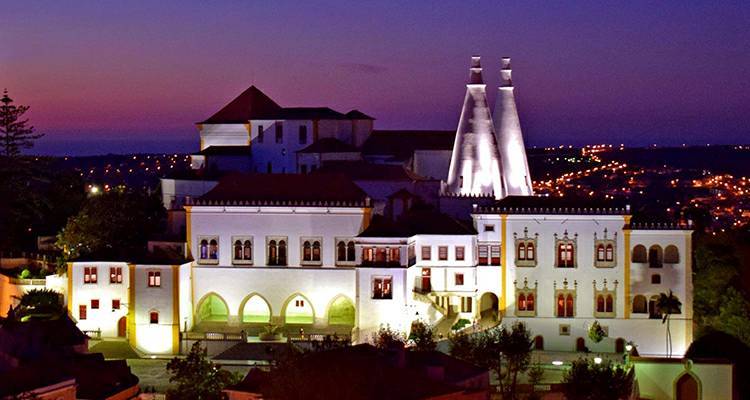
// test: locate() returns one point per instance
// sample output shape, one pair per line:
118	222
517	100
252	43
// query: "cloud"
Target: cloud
363	68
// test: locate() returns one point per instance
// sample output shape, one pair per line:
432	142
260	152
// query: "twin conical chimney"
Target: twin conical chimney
475	163
514	164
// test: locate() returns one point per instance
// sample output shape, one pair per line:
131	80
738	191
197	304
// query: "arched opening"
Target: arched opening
530	302
350	251
600	256
256	310
538	342
489	306
530	252
639	304
521	252
687	388
609	304
298	310
341	251
122	326
639	254
581	344
655	256
620	345
341	312
212	308
599	303
653	312
671	254
610	256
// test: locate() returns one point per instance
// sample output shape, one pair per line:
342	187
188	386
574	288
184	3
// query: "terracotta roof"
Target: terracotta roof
364	171
401	144
285	189
553	205
253	104
225	151
329	145
417	222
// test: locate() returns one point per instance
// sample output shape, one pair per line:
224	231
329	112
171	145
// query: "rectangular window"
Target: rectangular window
299	303
303	134
442	253
89	275
460	253
81	312
260	133
483	252
279	133
459	278
154	278
382	287
495	255
412	254
489	228
115	304
426	253
154	317
115	275
94	304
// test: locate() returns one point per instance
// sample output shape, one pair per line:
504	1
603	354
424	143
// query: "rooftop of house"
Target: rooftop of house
284	189
329	145
416	222
553	205
364	171
253	104
225	151
401	144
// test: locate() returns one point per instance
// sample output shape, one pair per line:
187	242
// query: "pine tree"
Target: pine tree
15	133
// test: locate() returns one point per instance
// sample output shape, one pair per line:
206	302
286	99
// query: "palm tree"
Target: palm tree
666	305
41	303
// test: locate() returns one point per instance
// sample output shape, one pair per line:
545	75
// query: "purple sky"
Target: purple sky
114	76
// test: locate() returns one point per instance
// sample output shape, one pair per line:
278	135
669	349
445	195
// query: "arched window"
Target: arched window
521	252
569	305
600	253
609	304
530	252
213	249
653	311
639	304
580	344
282	252
639	254
204	249
350	251
521	302
610	256
341	251
655	256
538	342
238	254
561	305
671	254
247	250
273	253
307	251
530	302
565	255
620	345
316	251
599	303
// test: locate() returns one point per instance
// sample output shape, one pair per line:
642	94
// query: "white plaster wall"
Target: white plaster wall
174	191
262	222
372	314
104	318
656	378
223	135
186	296
154	338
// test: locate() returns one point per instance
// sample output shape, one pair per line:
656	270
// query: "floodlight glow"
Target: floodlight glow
557	363
597	360
629	347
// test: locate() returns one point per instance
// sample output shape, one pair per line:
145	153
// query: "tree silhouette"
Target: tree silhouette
666	305
15	133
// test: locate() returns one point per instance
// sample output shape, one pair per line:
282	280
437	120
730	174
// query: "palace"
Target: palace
311	220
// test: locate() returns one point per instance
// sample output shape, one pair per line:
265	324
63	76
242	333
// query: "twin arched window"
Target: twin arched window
526	302
565	305
565	254
243	250
345	251
605	253
311	251
604	303
209	249
526	251
277	252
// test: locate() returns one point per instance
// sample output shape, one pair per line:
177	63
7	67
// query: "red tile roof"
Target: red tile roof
284	189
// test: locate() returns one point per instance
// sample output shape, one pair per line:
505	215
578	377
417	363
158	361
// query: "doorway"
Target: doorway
122	327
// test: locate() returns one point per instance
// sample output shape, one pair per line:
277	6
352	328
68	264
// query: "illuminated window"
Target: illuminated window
525	302
565	305
303	134
382	287
460	253
115	304
115	275
279	133
521	252
442	253
483	254
89	275
604	253
565	254
153	317
600	253
426	253
208	250
459	279
610	256
368	254
81	312
94	304
154	278
394	255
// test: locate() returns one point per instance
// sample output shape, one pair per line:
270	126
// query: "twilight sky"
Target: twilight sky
122	76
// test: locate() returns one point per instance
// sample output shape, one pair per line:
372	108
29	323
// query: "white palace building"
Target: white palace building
310	220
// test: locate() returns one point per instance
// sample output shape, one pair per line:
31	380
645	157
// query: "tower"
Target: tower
475	162
514	165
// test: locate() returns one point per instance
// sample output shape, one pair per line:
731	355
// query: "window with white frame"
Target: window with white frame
467	304
154	278
565	251
208	252
89	275
605	254
115	274
526	300
242	250
276	250
426	253
460	253
443	253
345	251
382	287
483	254
311	253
